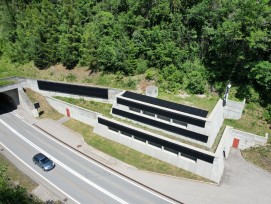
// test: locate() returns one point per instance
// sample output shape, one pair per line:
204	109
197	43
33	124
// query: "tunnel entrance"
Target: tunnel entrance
7	103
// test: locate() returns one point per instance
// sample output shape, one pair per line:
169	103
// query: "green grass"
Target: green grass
206	102
114	80
260	156
17	176
6	82
8	69
103	108
45	110
218	138
128	155
252	121
233	93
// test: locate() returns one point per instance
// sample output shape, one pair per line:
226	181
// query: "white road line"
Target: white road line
18	116
64	166
6	148
97	164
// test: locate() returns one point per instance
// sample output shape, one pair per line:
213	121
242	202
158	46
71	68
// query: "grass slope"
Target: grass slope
126	154
16	175
45	110
260	156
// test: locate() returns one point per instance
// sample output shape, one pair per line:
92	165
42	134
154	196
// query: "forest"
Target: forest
194	45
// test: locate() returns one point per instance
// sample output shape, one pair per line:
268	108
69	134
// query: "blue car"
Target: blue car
43	162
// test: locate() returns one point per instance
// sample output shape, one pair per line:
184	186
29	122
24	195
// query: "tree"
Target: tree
70	37
261	75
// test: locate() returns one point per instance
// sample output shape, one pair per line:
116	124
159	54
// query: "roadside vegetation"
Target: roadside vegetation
128	155
252	121
45	110
206	102
6	82
259	156
15	185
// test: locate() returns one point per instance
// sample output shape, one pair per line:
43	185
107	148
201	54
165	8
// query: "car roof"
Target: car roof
39	156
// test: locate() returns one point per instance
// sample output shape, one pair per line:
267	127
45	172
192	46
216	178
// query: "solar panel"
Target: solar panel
161	125
73	89
158	141
163	113
166	104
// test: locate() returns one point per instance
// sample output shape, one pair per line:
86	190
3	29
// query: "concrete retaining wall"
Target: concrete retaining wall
199	167
75	112
27	104
214	122
247	140
234	109
32	84
126	108
212	125
112	94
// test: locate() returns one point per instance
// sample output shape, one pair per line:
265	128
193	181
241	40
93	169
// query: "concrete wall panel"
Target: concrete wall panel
234	109
76	112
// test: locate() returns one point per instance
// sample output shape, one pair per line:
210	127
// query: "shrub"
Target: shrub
171	78
267	114
196	83
131	83
119	75
249	93
70	77
141	66
151	74
220	88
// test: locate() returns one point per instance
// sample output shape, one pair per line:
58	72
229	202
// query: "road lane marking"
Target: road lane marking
6	148
18	116
97	164
64	166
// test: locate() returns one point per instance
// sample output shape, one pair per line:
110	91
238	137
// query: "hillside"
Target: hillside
180	44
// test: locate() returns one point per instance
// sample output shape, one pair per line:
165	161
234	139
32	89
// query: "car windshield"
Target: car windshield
44	160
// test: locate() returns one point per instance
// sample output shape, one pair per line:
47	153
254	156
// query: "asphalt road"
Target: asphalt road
77	177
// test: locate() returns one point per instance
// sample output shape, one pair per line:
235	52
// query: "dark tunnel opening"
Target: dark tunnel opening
7	104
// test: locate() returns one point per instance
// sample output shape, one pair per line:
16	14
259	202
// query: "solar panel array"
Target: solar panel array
157	141
161	112
73	89
166	104
161	125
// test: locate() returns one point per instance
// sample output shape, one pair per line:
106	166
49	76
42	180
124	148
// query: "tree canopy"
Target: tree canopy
188	44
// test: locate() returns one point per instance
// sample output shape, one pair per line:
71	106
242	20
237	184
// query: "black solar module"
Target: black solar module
166	104
73	89
161	112
161	125
157	141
